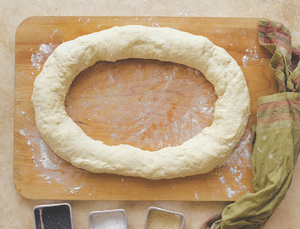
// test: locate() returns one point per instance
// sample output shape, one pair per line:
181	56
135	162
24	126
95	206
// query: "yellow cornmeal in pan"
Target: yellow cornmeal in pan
162	220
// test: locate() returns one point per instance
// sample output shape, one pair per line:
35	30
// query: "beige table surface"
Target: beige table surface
16	211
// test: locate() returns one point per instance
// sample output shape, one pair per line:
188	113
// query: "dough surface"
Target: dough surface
197	155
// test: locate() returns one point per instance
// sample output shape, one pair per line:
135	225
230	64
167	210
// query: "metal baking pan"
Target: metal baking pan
164	218
115	219
53	216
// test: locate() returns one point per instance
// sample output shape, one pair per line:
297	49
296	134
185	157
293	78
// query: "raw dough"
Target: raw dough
199	154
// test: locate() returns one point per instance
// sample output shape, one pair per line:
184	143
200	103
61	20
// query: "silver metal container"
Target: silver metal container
53	216
179	216
115	219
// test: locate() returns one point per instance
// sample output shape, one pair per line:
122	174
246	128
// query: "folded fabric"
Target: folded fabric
275	137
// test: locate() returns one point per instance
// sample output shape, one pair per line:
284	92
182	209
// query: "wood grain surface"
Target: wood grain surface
144	103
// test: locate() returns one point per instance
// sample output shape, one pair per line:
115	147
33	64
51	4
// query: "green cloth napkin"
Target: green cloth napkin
275	137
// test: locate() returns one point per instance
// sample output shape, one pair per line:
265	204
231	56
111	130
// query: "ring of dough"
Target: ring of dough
197	155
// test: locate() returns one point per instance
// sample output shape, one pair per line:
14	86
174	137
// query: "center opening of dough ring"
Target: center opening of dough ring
144	103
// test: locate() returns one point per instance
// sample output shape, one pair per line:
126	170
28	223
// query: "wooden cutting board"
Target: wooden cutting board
144	103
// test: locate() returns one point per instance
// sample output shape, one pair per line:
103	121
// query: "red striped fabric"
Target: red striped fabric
277	104
277	39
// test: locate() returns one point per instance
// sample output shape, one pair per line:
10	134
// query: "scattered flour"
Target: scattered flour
238	179
230	193
240	150
77	188
48	164
240	156
222	179
233	170
245	60
84	22
46	178
39	57
34	141
251	54
46	49
22	132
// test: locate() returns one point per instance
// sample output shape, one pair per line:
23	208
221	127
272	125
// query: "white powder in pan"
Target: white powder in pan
109	220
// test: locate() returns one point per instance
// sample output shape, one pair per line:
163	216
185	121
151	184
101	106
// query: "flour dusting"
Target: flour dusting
222	179
35	143
245	60
49	165
230	193
46	162
22	132
240	156
233	170
239	150
39	57
251	54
